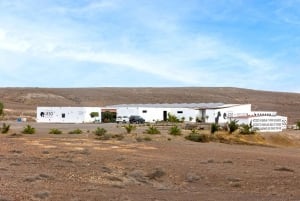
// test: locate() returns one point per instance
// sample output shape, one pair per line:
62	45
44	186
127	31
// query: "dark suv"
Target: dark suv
136	119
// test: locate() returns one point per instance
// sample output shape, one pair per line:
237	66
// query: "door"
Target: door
165	115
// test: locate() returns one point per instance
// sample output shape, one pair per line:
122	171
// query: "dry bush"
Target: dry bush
197	137
55	131
76	131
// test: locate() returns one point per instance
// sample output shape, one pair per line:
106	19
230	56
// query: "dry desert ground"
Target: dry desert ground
77	167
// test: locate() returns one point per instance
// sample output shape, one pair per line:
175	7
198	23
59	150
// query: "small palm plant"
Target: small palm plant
5	128
233	126
100	131
175	130
28	130
214	128
129	128
152	130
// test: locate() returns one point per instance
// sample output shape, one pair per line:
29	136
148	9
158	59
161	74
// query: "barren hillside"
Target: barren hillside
25	100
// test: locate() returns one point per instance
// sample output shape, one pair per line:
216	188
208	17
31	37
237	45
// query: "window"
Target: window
63	115
144	111
179	112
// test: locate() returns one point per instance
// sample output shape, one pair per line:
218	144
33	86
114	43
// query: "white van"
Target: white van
122	119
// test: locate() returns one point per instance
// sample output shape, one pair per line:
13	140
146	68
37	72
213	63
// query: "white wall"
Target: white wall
265	123
263	113
186	113
227	112
152	114
284	121
67	114
127	111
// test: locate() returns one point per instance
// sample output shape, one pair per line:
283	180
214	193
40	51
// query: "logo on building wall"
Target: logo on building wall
46	114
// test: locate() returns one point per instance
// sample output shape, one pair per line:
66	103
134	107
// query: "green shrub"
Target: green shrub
94	114
175	130
108	117
233	126
196	137
214	128
152	130
5	128
55	131
100	131
298	125
172	118
129	128
246	129
76	131
28	130
1	109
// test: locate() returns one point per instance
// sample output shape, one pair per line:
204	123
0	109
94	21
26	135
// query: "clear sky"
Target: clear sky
156	43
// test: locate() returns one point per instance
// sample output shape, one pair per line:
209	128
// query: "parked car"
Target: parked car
122	119
136	119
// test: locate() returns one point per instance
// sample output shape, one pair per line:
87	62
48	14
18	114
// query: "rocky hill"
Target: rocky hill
23	101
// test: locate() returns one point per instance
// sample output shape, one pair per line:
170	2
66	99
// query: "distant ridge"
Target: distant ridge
25	100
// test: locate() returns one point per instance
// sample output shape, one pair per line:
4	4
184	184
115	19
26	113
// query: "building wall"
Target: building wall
127	111
153	114
67	114
265	123
185	113
263	113
224	114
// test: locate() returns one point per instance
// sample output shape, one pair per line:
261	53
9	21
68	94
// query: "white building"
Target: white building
220	113
207	112
157	112
68	114
264	121
224	113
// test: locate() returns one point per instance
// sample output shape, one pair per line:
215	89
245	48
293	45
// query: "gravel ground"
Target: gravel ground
80	167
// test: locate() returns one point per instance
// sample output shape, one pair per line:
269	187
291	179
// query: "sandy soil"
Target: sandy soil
80	167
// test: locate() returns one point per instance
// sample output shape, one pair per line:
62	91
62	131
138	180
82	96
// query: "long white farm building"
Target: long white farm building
189	112
206	112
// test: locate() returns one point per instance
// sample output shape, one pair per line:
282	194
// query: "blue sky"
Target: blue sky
150	43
